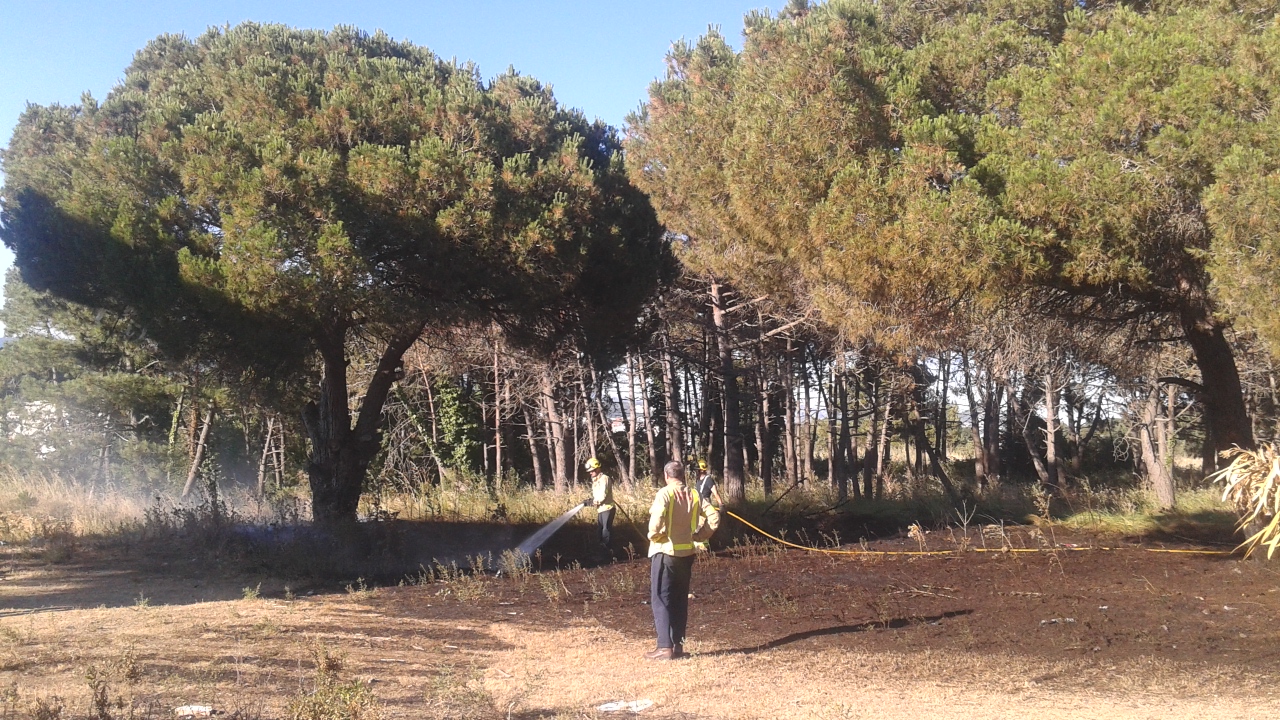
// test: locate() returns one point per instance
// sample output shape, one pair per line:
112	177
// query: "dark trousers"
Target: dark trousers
605	518
669	595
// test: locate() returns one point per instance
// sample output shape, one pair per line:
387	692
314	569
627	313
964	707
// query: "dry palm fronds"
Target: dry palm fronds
1253	485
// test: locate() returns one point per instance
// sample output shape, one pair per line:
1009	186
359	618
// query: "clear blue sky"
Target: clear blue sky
598	56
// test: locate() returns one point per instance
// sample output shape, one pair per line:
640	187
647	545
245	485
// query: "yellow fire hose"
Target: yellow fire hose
831	551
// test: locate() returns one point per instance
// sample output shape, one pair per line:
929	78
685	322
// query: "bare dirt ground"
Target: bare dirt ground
1061	633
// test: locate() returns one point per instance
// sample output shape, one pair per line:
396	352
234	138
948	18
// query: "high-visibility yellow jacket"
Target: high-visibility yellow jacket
677	518
602	492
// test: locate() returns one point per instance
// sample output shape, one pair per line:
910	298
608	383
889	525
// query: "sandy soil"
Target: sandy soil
1122	633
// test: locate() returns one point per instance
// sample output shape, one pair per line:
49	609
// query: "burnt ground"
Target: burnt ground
1065	599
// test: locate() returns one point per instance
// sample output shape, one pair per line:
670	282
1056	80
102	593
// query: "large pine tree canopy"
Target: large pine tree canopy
902	170
252	196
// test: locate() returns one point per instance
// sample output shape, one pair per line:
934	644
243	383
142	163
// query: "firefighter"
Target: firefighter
677	518
602	500
706	486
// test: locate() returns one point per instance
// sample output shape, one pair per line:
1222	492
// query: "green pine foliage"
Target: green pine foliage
257	197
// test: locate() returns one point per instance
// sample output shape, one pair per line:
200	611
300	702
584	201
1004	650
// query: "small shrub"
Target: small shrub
332	698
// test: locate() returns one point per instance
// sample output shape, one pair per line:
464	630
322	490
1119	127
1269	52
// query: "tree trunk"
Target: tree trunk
733	481
1225	417
655	469
675	431
262	462
198	450
940	425
834	471
764	444
1023	419
634	426
871	458
1157	475
340	452
810	436
979	448
1051	430
497	418
604	420
535	455
848	443
789	420
557	448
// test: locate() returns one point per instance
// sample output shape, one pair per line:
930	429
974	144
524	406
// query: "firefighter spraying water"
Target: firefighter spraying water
601	498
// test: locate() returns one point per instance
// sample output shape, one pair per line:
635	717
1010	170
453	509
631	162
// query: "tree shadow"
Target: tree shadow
837	630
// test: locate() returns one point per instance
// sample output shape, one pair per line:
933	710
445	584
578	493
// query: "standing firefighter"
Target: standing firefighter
602	499
707	485
677	518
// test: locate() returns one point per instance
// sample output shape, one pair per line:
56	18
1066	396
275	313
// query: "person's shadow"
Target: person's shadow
837	630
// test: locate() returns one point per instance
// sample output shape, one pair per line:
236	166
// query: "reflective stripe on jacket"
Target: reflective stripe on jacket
677	518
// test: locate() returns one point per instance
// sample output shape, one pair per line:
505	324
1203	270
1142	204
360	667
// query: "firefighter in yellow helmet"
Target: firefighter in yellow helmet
602	500
706	485
677	518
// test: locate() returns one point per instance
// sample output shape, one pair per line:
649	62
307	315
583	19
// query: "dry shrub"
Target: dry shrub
332	698
1252	483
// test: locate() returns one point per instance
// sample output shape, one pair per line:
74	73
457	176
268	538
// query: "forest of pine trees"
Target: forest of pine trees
881	247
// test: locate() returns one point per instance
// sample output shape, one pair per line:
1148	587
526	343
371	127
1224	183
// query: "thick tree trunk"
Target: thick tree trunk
733	481
1225	416
340	452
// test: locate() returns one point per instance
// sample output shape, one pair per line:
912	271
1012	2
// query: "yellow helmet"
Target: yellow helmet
593	464
702	464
